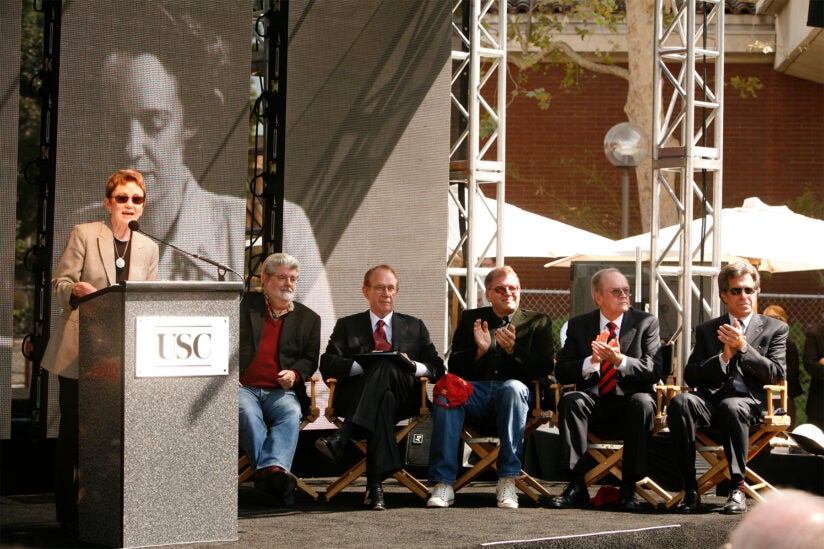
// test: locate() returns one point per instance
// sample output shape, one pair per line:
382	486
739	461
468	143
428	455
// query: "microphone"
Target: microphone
221	269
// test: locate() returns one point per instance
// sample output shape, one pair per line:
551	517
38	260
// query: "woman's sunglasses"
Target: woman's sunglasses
136	200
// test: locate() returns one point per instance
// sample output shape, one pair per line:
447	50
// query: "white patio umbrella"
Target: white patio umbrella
778	238
526	234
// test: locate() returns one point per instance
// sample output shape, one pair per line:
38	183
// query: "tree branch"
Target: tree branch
588	64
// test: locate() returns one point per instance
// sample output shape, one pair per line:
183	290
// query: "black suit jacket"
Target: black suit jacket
764	362
353	335
530	359
640	344
299	344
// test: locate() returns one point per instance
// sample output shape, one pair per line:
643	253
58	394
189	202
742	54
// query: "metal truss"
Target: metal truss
687	145
266	186
477	152
42	397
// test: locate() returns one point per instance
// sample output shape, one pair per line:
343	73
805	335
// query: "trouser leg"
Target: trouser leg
639	421
575	410
734	416
66	488
685	414
511	404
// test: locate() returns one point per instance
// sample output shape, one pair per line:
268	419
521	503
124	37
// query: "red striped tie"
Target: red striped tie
381	343
606	384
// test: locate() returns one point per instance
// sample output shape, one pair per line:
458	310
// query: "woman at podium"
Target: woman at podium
97	255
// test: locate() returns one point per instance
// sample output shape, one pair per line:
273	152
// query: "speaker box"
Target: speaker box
417	444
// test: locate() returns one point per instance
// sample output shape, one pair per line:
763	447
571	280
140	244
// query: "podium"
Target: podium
158	413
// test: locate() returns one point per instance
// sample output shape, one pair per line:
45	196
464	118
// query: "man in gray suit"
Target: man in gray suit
279	347
734	356
613	356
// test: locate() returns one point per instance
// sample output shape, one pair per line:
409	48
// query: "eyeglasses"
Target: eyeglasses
737	291
504	290
136	200
380	288
284	278
620	292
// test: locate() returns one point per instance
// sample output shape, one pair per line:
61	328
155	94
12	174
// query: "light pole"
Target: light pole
626	146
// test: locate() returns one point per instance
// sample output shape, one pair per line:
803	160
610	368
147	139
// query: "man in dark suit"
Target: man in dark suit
499	350
613	356
735	355
372	399
279	347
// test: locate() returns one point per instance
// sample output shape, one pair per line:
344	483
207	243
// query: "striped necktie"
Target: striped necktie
606	383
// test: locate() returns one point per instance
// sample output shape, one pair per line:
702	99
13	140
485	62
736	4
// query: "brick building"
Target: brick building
773	147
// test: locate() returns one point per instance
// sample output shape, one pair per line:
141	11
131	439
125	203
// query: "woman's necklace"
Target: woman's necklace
120	262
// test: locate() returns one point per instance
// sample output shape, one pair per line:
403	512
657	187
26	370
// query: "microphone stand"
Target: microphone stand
221	269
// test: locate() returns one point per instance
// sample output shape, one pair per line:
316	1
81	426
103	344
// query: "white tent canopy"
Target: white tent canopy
775	237
525	234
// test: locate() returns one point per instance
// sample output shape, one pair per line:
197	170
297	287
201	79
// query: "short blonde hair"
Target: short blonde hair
121	177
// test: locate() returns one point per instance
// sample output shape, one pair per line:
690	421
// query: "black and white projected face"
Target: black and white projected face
163	87
147	124
158	86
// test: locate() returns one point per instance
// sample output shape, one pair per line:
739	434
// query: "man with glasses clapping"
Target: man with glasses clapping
498	350
734	356
613	356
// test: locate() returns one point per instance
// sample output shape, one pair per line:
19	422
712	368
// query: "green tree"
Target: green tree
28	147
537	35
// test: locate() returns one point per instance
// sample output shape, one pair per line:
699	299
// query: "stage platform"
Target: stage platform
474	521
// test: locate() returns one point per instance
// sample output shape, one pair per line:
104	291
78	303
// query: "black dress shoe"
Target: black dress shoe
262	482
736	503
331	447
282	485
690	504
374	497
574	495
628	501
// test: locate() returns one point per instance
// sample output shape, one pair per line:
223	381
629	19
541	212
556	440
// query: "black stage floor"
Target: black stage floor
474	521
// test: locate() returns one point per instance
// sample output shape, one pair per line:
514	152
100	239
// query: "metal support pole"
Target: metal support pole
624	202
43	250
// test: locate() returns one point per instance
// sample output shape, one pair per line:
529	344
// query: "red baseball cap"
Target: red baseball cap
454	389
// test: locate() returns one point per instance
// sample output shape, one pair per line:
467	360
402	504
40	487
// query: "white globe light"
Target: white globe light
626	145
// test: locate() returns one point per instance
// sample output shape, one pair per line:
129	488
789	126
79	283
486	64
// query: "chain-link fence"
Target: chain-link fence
804	313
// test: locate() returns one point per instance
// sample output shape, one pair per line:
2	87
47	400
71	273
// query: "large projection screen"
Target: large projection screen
367	150
366	165
9	86
162	87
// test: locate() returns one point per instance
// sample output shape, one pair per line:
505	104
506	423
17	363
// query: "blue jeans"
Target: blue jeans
505	401
268	426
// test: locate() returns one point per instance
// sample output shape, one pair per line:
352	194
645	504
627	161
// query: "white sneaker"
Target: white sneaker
442	495
507	493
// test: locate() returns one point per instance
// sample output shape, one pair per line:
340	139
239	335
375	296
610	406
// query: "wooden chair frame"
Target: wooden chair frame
488	448
609	455
359	468
713	453
245	472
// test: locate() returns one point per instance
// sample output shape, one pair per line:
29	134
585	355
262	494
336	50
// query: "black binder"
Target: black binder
369	360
